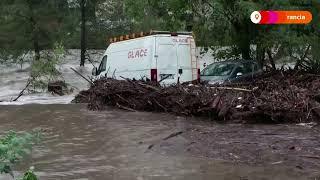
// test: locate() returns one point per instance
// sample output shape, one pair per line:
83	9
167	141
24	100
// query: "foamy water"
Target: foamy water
14	78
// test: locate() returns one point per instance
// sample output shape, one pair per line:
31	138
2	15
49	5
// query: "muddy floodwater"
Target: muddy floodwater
113	144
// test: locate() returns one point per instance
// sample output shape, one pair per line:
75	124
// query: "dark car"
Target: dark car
228	71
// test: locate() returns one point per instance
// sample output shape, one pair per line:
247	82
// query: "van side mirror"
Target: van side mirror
95	72
239	74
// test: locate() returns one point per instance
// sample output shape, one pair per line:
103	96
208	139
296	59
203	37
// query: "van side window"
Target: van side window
103	64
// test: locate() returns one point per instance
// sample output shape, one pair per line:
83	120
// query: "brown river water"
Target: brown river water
113	144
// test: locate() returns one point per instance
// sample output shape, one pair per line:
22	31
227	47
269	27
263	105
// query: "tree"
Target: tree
227	23
88	15
166	14
83	32
216	24
30	24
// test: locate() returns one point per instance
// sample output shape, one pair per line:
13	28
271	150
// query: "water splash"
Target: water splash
14	78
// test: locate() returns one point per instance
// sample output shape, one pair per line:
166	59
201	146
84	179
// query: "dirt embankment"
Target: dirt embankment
270	98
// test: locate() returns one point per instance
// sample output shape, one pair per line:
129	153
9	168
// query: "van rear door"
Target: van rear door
176	59
167	62
184	60
187	59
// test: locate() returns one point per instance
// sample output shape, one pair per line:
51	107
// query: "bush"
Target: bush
45	70
13	148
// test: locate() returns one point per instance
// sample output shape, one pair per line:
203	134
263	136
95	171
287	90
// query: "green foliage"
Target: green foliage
14	56
216	23
223	53
14	147
29	175
309	59
33	25
45	70
171	15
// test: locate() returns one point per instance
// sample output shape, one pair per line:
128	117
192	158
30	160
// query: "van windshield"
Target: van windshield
103	65
220	69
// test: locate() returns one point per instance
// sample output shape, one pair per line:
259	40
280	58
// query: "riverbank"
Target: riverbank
115	144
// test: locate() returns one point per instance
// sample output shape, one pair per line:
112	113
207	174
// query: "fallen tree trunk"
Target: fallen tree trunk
79	74
233	89
22	91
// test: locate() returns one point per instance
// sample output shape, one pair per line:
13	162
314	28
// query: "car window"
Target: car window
218	69
255	67
247	68
103	64
239	69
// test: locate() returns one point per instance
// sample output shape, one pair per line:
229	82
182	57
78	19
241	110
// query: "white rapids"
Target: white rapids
13	79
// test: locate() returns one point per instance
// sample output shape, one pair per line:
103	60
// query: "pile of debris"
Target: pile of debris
270	98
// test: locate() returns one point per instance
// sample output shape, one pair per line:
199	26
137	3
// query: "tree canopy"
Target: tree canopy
38	24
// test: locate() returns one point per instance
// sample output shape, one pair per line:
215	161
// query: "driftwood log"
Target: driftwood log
22	91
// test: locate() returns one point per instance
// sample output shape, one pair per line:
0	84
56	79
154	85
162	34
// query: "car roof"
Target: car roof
236	61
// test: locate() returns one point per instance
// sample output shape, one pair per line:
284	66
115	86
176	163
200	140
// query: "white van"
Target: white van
158	56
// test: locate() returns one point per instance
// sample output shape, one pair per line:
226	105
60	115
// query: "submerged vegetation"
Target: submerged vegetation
44	70
13	148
